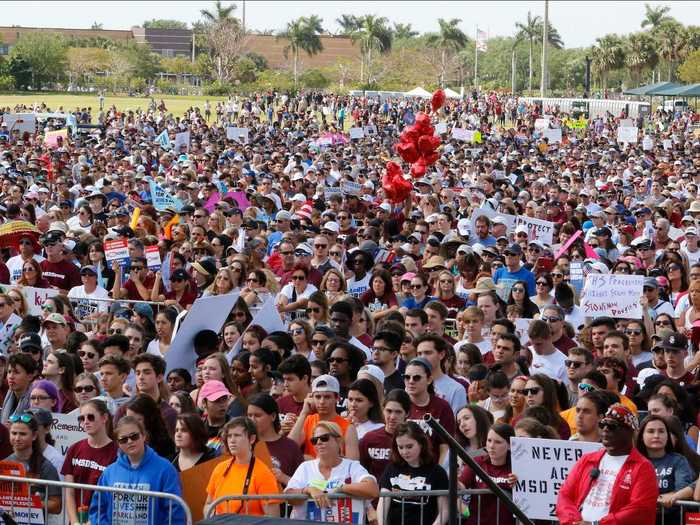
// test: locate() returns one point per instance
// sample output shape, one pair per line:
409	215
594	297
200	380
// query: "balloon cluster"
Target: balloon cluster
395	186
418	144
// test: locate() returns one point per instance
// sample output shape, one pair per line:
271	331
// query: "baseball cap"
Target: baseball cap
30	340
88	269
55	318
213	390
514	249
651	282
326	383
674	341
374	371
331	226
41	415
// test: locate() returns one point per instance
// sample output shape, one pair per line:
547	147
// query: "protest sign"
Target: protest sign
568	243
162	199
35	297
553	135
542	466
537	229
238	134
351	188
628	135
15	499
541	124
66	430
647	143
241	199
182	141
329	191
357	133
461	134
370	130
163	140
116	250
614	295
667	144
55	139
153	258
22	122
521	327
576	276
207	313
627	123
675	233
440	128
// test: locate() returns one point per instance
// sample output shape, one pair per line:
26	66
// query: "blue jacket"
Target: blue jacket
153	474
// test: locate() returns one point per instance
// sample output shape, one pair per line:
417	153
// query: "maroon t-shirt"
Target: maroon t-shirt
63	275
134	294
564	344
440	410
86	464
487	503
286	455
288	405
375	451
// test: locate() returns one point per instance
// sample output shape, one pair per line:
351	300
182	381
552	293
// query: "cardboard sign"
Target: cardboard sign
627	123
627	135
237	134
553	135
357	133
647	143
116	250
66	430
162	199
193	482
207	313
542	466
462	134
329	191
537	229
182	140
22	122
153	258
612	295
350	188
56	139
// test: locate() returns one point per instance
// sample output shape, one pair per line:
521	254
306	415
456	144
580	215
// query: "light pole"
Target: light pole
545	30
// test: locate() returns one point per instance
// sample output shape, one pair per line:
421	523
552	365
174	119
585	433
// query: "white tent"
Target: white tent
451	94
418	92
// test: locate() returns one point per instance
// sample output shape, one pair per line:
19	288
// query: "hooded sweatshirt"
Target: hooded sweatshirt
153	474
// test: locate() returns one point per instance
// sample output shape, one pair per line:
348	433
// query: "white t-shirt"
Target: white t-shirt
85	307
483	346
357	288
551	365
575	318
597	503
365	427
14	264
348	471
451	391
288	291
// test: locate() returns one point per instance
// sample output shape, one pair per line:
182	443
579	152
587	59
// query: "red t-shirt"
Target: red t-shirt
440	410
188	298
134	294
86	464
286	455
63	275
375	451
487	503
288	405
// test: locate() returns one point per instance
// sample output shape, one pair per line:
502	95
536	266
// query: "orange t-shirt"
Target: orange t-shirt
223	483
310	424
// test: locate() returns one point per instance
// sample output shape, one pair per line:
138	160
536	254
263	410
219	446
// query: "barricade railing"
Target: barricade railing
141	503
407	501
680	507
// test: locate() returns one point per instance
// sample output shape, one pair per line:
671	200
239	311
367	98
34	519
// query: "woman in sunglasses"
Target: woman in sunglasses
32	275
137	465
26	449
541	390
90	353
640	345
518	296
380	298
336	474
294	296
301	332
333	285
317	308
87	386
94	454
544	286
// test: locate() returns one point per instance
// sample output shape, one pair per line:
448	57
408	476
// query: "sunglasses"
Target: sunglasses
416	286
298	277
532	391
542	283
557	275
633	331
89	355
518	290
323	438
572	364
551	319
87	417
318	342
609	425
662	323
315	310
115	331
251	280
39	398
335	254
84	389
415	378
129	437
21	418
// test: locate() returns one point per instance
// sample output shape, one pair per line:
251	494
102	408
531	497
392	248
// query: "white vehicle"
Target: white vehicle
674	105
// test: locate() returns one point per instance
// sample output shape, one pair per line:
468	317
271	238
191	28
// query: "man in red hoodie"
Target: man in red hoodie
615	485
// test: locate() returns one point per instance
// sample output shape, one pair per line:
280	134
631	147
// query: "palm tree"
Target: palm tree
348	24
672	41
655	16
640	52
303	34
219	14
450	39
404	32
530	31
373	34
607	56
553	37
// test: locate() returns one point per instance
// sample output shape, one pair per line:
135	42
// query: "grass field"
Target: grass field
176	105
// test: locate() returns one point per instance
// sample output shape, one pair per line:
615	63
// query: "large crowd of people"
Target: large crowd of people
433	305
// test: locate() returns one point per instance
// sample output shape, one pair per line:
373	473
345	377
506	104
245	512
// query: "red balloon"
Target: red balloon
396	187
422	122
427	144
438	100
430	158
408	152
410	135
418	169
393	170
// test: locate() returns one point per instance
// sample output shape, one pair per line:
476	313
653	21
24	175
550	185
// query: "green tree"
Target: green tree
404	32
45	54
96	26
529	30
348	24
83	62
640	53
373	34
608	55
163	23
655	16
220	13
302	34
672	42
449	40
689	71
21	71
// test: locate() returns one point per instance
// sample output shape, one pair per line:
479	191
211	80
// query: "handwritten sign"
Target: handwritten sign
553	135
542	466
461	134
182	141
162	199
647	143
21	122
66	430
237	134
612	295
628	135
440	128
537	229
350	188
541	124
357	133
35	297
329	191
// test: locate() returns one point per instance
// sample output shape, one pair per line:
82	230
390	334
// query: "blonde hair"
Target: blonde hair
334	430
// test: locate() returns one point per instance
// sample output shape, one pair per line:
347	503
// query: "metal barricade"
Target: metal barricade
405	498
682	506
140	502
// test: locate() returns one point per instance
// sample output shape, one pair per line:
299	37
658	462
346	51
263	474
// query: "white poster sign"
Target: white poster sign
491	213
647	143
541	123
329	191
357	133
542	466
613	295
553	135
370	130
207	313
66	430
153	258
351	188
35	297
182	140
628	135
20	122
268	317
116	250
440	128
462	134
239	134
667	144
537	229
